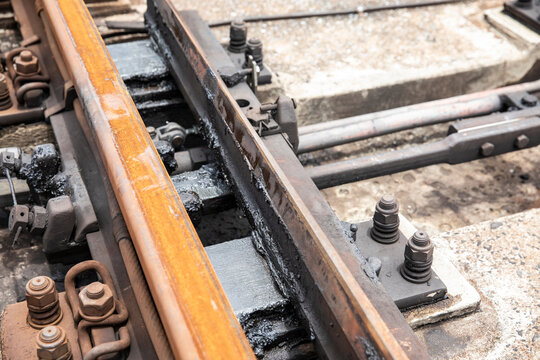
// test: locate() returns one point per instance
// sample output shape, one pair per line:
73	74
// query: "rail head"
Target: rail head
196	77
194	310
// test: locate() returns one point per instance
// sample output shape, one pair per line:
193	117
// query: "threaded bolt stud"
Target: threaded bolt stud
238	36
386	220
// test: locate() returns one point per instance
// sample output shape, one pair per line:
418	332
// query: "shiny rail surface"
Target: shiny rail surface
195	312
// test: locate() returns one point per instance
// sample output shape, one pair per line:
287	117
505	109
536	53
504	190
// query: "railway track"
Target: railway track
184	221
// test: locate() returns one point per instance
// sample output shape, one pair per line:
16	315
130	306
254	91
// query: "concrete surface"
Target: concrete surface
341	66
501	259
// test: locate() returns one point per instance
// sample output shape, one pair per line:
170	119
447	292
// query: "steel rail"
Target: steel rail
271	195
195	312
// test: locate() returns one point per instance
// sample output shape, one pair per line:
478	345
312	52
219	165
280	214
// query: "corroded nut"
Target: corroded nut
3	84
39	219
417	253
96	300
41	293
386	218
26	63
52	344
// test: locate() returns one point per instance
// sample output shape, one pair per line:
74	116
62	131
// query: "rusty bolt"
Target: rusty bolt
52	344
487	149
5	100
521	141
419	247
238	36
387	210
26	63
96	300
41	294
386	220
418	258
3	84
255	49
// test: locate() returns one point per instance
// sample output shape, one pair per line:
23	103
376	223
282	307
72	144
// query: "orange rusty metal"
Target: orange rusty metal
195	312
18	339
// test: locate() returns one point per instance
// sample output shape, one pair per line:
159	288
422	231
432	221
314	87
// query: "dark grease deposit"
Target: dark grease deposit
41	172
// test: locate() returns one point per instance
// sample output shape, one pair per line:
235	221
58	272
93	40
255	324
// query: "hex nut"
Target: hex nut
52	344
385	218
41	294
3	84
419	253
8	160
387	210
521	141
487	149
96	300
26	63
39	219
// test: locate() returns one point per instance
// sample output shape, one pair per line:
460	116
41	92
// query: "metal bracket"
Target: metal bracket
69	96
285	116
404	293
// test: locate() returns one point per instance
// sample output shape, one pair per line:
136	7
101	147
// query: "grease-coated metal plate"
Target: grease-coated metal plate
404	293
527	12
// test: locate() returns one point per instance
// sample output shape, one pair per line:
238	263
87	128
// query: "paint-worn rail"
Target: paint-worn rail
195	312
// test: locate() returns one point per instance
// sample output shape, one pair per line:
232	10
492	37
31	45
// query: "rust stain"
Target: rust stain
196	314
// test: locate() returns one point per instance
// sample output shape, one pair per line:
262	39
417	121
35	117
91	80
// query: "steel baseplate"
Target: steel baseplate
461	298
447	294
404	293
526	11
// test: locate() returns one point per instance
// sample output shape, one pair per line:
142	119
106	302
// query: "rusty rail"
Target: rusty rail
195	312
327	276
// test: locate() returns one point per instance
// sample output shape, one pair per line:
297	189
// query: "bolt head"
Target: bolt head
521	141
26	63
96	299
52	343
41	293
487	149
8	160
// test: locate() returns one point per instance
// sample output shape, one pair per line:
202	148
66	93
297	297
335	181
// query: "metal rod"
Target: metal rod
351	11
462	146
11	187
365	129
139	27
439	106
14	117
